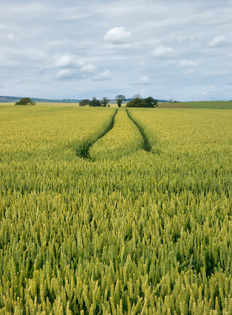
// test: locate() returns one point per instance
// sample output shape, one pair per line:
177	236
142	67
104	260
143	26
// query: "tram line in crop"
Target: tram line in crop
83	151
147	147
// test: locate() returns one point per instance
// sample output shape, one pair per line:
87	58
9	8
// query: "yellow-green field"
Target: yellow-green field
60	104
52	104
92	223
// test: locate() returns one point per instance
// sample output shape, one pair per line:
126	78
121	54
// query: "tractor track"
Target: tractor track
146	145
83	150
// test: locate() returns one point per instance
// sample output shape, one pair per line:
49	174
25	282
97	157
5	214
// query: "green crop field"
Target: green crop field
115	212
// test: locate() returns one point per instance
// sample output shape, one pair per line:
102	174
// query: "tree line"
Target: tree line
135	102
95	102
143	102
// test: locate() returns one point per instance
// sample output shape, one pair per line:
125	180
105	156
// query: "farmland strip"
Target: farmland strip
146	146
83	151
124	139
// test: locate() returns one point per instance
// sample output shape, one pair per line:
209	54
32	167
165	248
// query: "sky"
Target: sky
167	49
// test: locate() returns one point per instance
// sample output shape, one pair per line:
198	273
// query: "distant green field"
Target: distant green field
209	105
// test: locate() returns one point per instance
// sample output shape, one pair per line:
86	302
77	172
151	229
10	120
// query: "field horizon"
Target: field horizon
196	105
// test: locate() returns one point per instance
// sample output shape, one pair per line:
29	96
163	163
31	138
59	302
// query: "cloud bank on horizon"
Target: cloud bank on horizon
167	49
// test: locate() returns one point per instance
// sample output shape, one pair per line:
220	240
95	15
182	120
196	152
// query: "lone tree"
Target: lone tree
105	101
25	101
120	99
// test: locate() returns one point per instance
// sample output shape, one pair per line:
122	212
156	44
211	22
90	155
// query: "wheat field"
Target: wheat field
93	223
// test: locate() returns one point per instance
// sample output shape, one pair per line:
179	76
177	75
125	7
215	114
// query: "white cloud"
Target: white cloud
66	74
68	61
103	76
10	36
72	68
87	68
65	61
118	35
142	80
219	41
188	63
163	53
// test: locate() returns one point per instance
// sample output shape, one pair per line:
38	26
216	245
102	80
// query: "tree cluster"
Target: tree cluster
95	102
136	102
25	101
146	102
